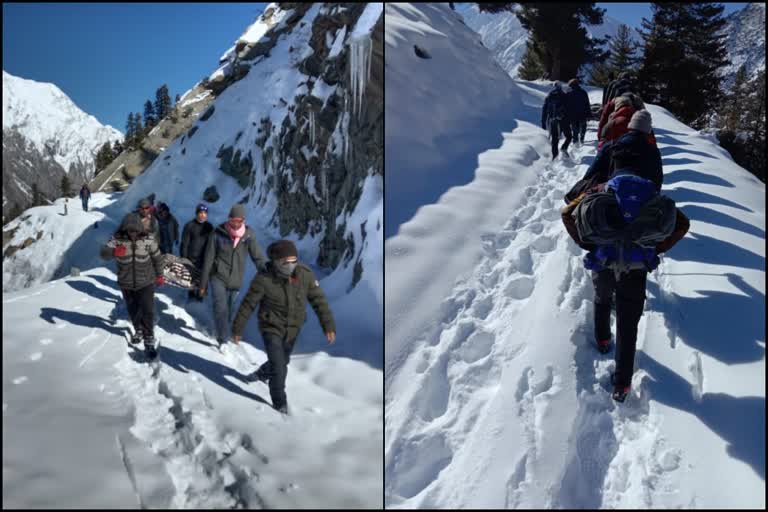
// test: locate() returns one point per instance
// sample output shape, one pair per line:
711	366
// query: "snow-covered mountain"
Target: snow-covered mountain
746	41
503	35
293	128
44	136
494	395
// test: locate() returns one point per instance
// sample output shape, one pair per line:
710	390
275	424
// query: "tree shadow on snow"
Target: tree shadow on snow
673	150
174	325
91	290
723	325
703	214
76	318
686	195
680	175
111	283
705	249
185	362
740	422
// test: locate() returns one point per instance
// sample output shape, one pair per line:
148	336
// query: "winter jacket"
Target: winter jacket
227	262
607	90
85	193
608	109
682	224
577	102
193	239
283	302
617	124
647	165
169	233
142	262
619	87
554	108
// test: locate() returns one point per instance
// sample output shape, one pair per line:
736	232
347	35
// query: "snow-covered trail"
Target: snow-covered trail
196	435
504	402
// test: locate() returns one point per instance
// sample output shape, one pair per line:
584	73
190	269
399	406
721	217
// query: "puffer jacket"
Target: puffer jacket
617	125
142	262
282	302
227	262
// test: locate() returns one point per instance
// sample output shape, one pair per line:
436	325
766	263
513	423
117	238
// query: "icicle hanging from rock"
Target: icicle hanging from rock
360	48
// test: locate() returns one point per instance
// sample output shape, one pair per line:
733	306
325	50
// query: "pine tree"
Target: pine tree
495	7
66	186
139	134
117	148
149	114
162	103
530	68
599	75
684	50
178	98
562	51
623	51
731	113
755	125
130	130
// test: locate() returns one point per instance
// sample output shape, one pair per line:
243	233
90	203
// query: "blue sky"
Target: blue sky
110	58
632	13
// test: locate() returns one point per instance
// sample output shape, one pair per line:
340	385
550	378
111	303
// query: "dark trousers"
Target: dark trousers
276	368
556	127
630	299
85	203
579	129
223	307
141	309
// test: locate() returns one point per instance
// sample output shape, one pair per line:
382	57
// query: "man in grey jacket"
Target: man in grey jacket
224	266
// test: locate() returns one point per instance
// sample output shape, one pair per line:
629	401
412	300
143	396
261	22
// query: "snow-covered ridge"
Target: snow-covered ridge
46	116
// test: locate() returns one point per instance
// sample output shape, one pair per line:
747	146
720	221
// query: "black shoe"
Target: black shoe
620	393
258	376
136	338
283	409
149	348
604	346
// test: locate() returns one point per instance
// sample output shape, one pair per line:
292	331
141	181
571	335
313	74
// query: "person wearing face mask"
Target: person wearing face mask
139	269
282	292
224	266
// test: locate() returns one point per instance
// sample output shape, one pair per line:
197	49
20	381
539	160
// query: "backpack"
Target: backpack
625	222
557	107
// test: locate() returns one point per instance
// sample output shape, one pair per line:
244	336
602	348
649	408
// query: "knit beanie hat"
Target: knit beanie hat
641	121
281	249
237	211
144	203
620	101
573	81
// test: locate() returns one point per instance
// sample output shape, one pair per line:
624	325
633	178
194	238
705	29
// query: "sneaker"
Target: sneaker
604	346
136	338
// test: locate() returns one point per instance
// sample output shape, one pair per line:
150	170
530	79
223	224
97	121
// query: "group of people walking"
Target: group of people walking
617	213
281	289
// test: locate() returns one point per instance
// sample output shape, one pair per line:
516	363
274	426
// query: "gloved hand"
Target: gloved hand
201	292
159	280
119	251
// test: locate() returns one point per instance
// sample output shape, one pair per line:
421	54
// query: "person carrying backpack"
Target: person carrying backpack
624	228
611	81
139	270
577	102
194	238
85	196
168	227
281	293
554	119
625	83
618	121
608	110
224	266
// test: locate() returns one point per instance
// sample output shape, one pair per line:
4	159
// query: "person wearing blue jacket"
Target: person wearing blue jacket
554	119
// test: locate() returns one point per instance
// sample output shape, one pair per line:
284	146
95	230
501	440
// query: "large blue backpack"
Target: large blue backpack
625	223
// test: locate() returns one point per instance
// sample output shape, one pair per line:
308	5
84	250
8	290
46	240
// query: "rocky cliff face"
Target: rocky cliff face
745	42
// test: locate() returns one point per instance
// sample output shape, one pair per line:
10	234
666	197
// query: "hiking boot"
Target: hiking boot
604	346
150	349
257	376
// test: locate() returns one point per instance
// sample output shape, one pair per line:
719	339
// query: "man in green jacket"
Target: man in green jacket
282	292
224	266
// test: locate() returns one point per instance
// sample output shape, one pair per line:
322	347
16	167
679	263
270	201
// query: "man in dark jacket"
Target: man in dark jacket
148	221
194	238
224	266
577	102
611	80
625	83
139	269
636	148
85	196
554	119
282	292
168	227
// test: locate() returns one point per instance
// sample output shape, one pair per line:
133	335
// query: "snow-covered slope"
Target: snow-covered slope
503	35
494	396
45	135
87	426
746	42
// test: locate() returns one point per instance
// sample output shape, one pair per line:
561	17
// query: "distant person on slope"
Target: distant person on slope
554	118
224	265
579	112
281	292
168	227
139	269
194	238
85	196
624	256
148	220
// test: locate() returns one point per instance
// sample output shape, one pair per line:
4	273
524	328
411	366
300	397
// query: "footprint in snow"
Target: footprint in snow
35	356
